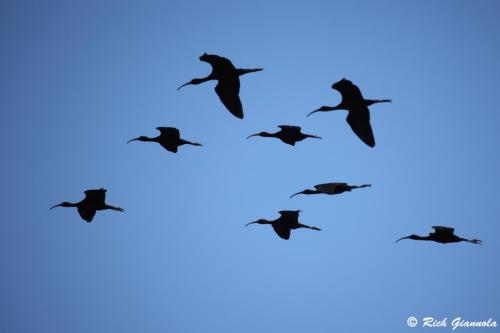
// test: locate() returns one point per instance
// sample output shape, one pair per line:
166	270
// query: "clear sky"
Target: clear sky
80	78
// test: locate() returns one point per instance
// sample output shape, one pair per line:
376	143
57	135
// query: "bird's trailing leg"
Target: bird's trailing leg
352	187
475	241
312	136
243	71
185	142
309	227
369	102
118	209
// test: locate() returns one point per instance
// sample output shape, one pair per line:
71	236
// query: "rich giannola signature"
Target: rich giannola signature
457	322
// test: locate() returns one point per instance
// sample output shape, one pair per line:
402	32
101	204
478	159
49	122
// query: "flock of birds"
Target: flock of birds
227	89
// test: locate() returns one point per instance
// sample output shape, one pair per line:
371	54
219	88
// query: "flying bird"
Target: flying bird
331	188
94	200
169	138
228	81
358	116
288	220
288	134
442	235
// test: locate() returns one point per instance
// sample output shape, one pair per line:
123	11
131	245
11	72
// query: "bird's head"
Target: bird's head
64	204
324	109
414	237
140	138
259	221
304	192
259	134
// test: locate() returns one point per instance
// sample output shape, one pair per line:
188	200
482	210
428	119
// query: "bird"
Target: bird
288	220
228	81
442	235
169	138
288	134
330	188
358	113
94	200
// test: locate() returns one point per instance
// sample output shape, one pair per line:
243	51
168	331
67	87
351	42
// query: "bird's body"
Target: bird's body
288	134
442	235
331	189
94	200
228	81
288	220
169	138
358	113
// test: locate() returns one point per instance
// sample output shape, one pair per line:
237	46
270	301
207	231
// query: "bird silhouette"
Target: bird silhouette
288	220
442	235
288	134
169	138
331	188
94	200
359	115
228	85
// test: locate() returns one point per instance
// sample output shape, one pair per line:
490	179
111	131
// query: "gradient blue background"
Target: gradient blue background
80	78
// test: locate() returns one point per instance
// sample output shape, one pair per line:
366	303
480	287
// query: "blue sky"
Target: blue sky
81	78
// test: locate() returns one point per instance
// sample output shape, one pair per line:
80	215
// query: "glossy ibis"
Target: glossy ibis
228	81
358	114
288	134
331	188
169	138
442	235
288	220
94	200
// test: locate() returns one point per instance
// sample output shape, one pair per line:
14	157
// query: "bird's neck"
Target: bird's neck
310	192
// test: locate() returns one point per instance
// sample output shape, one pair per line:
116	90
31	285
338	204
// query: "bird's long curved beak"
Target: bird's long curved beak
314	136
403	238
301	192
58	205
129	141
256	134
246	225
185	84
310	113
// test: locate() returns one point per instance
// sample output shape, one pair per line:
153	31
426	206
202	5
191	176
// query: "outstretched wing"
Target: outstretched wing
282	230
169	132
290	128
329	186
87	212
289	216
359	120
95	197
349	91
439	230
219	64
228	90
